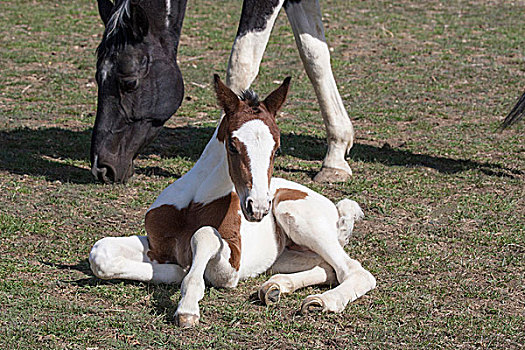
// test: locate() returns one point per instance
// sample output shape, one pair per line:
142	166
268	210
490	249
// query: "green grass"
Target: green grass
426	84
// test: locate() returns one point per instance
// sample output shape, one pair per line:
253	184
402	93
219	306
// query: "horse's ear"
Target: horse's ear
139	22
227	99
104	9
275	100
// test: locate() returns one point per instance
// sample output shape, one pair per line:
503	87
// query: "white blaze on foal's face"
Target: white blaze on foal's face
258	143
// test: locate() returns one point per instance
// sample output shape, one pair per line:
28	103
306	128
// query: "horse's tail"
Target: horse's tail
515	114
349	212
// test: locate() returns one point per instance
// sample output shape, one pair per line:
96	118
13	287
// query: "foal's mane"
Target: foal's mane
250	97
117	33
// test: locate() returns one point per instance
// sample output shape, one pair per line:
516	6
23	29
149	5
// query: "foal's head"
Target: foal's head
139	83
251	138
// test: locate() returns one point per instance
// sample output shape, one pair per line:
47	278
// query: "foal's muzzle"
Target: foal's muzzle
256	210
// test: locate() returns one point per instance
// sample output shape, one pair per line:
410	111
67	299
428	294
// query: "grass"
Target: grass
426	84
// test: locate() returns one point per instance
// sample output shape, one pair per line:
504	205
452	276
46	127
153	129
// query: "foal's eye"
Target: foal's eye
231	147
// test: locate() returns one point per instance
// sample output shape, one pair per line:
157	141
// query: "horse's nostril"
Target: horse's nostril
249	206
105	174
102	172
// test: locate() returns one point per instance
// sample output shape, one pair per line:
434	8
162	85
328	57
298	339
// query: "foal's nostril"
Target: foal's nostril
249	206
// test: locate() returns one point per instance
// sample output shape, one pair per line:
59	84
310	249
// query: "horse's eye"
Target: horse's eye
231	147
129	85
277	152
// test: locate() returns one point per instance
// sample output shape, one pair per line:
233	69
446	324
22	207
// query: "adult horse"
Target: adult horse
228	219
140	85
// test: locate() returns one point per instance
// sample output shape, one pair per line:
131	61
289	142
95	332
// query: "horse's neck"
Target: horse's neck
209	179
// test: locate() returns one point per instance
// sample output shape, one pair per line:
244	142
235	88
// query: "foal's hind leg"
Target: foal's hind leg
311	222
295	270
305	18
127	258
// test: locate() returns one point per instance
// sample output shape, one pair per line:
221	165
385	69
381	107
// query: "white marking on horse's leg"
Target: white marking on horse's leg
305	18
168	12
206	244
126	258
247	53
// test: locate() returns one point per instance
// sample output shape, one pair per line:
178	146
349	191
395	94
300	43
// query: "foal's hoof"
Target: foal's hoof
270	293
187	320
332	175
312	304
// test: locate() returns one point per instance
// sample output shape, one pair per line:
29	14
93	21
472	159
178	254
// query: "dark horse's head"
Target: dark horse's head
139	83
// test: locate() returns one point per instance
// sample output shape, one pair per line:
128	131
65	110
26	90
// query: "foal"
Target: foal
227	219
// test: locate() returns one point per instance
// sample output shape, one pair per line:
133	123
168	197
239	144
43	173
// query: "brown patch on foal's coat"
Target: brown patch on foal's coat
288	194
170	229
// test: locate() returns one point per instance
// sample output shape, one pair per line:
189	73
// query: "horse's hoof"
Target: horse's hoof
270	294
312	304
187	320
332	175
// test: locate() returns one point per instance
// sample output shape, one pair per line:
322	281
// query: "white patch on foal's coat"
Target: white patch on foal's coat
259	142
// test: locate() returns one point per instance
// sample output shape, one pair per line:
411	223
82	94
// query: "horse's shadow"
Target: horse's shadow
54	153
162	303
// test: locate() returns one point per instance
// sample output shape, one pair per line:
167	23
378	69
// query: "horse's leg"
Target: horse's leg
312	223
255	26
210	252
126	258
305	18
296	269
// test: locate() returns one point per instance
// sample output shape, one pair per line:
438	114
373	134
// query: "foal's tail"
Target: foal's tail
349	212
515	114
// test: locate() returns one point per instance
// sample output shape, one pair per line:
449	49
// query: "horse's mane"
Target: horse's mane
250	97
117	33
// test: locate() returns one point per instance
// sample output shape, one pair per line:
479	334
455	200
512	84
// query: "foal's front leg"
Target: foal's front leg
127	258
210	252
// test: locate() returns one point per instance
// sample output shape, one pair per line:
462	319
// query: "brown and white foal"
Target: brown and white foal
227	219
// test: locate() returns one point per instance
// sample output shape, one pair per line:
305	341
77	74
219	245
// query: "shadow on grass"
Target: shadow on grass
50	152
392	156
162	294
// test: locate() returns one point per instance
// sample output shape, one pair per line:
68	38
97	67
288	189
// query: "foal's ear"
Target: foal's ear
104	9
276	99
227	99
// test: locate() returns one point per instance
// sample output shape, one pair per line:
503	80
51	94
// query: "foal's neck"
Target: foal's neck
209	179
211	170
